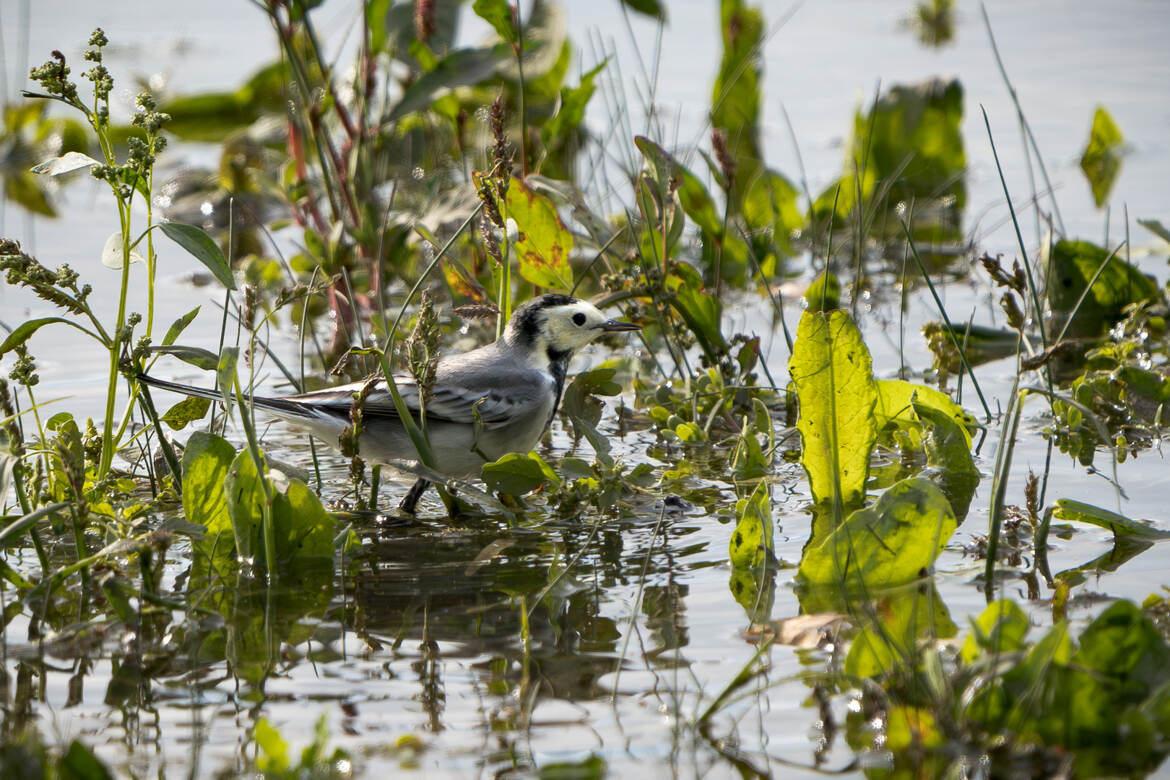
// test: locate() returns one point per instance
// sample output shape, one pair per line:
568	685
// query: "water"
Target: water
422	639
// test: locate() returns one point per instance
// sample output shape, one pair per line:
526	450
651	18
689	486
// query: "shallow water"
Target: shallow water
419	637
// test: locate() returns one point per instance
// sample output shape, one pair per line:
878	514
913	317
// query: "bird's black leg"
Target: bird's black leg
413	495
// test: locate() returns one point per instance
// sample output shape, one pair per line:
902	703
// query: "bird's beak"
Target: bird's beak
615	326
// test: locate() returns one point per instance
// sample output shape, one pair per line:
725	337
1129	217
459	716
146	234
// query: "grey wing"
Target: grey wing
454	398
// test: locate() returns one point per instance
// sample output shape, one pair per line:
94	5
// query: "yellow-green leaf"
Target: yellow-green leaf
751	542
1101	160
544	244
833	374
892	542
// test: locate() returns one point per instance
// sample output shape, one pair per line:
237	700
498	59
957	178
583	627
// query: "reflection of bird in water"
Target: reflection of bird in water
483	404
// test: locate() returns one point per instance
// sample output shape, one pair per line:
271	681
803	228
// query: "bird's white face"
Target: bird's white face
569	327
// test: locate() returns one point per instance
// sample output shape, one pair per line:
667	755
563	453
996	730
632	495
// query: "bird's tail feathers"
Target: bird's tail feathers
289	410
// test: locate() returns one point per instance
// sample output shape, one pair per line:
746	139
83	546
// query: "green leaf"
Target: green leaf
196	356
999	629
1101	160
206	460
225	374
702	313
544	244
24	331
202	248
461	67
79	763
735	98
245	501
824	294
898	399
1156	227
1072	265
571	111
304	528
516	474
651	8
273	748
497	13
948	453
178	326
1121	526
897	623
186	411
833	374
895	541
751	542
592	768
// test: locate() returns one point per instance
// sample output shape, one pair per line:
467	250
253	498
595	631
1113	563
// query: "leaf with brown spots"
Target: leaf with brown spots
544	243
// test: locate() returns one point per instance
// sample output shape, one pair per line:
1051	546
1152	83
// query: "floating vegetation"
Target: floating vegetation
774	505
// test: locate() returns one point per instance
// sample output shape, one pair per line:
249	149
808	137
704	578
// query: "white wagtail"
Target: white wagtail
513	386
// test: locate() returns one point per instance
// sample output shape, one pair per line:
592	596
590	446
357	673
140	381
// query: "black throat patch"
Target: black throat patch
558	366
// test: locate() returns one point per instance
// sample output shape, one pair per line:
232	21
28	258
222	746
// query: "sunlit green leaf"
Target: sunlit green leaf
999	629
206	460
497	13
833	374
515	474
544	243
702	312
824	294
894	541
186	411
1101	160
273	749
1156	227
948	453
178	326
751	541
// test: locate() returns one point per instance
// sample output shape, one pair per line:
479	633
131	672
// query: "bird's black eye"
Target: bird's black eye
579	318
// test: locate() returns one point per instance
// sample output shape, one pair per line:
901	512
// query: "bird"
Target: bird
496	399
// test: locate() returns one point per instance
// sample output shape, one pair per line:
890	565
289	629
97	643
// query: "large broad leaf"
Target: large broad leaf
897	399
1101	160
203	248
1072	265
544	243
206	460
751	541
516	474
894	541
304	529
245	505
833	374
912	143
